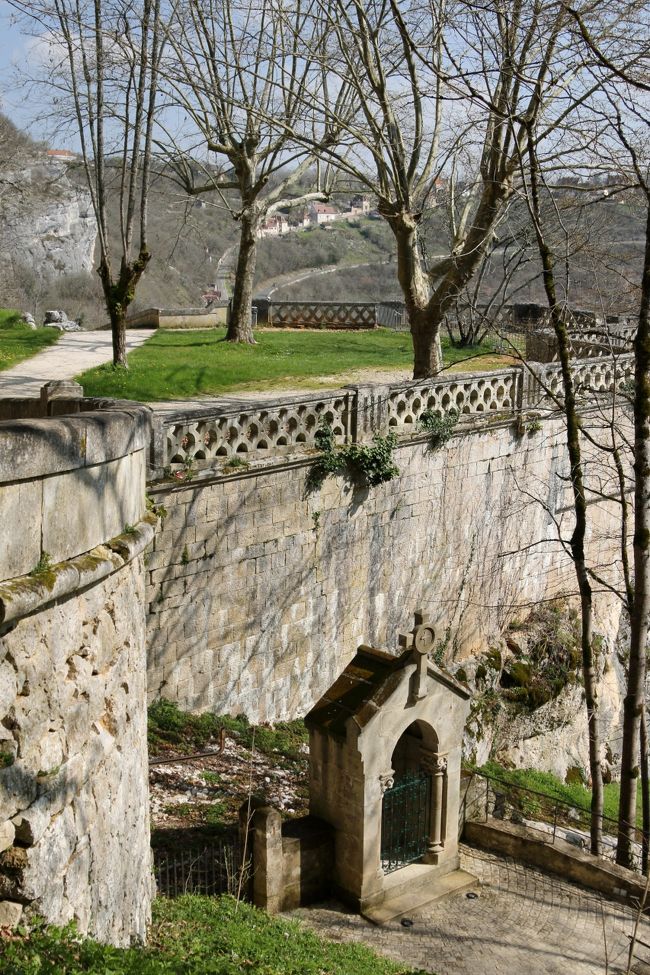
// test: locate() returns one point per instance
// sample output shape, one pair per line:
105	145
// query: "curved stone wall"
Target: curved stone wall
74	824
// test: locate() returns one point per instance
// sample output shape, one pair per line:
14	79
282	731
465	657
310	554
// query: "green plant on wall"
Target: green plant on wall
43	566
367	465
439	426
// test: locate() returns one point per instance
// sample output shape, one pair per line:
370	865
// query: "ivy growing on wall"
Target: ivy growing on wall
439	426
367	465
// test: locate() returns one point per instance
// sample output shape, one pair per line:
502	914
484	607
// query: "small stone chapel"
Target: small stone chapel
385	747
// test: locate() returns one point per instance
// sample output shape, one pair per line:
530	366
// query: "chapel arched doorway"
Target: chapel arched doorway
414	799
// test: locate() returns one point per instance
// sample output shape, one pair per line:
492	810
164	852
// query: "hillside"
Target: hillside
47	227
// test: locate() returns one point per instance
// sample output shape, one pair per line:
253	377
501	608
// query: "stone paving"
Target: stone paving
523	922
72	354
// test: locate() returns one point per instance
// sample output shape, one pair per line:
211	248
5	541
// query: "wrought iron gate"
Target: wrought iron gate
405	820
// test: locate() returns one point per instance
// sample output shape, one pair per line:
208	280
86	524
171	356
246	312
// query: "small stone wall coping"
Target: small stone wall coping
27	594
559	858
36	448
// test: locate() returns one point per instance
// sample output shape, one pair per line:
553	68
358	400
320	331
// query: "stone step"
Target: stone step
406	899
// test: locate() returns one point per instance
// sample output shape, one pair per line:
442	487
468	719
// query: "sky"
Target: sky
16	49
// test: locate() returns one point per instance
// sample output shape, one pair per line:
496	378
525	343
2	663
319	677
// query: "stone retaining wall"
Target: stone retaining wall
184	318
260	591
560	858
74	821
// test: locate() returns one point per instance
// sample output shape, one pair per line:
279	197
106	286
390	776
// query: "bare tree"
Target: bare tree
236	68
428	84
559	318
622	52
102	74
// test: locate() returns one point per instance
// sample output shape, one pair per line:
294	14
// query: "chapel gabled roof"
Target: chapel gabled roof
366	683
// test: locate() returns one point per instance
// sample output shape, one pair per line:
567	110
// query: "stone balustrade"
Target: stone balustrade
592	376
261	431
323	314
356	413
465	393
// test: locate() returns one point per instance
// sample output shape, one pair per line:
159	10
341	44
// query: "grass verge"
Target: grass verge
18	341
196	936
181	365
574	793
173	730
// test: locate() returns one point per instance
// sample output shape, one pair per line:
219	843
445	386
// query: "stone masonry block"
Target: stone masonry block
10	914
20	508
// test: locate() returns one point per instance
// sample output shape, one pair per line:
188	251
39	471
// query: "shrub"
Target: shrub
439	426
367	465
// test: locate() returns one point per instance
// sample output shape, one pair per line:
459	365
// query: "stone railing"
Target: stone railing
467	393
592	377
257	430
323	314
262	430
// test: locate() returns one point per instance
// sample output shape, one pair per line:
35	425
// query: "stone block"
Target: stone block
10	914
7	835
20	508
86	509
31	824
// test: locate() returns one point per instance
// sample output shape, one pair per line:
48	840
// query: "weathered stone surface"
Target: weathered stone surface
79	796
20	508
34	448
10	914
74	819
7	834
48	225
107	497
260	591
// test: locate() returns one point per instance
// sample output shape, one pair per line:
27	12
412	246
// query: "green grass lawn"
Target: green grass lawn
196	936
18	341
179	365
575	793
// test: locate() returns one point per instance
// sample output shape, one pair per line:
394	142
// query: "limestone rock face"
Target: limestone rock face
74	802
48	224
553	736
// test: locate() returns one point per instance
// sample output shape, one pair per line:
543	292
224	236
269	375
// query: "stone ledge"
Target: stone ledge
27	594
39	447
560	858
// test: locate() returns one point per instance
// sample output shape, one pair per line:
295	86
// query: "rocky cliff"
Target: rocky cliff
528	707
47	222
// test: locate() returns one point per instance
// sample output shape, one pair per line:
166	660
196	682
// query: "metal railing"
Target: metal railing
488	797
216	867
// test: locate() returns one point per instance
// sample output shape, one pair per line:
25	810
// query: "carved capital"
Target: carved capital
386	781
433	763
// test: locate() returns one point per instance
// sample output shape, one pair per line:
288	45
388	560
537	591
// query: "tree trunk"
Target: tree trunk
425	326
240	324
645	794
427	311
577	542
634	699
118	295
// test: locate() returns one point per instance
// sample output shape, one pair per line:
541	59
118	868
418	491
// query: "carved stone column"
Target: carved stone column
436	766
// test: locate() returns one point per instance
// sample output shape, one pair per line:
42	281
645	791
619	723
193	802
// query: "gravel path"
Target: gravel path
72	354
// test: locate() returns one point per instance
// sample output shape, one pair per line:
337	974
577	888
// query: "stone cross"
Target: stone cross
421	638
